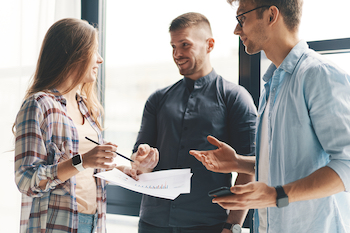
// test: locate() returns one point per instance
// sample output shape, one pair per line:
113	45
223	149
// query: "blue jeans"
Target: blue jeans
148	228
87	223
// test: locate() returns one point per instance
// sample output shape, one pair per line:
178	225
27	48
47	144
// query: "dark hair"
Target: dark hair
189	20
68	47
291	10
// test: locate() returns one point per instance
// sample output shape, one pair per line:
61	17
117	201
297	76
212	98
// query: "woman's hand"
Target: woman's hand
101	156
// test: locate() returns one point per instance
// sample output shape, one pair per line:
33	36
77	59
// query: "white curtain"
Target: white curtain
22	28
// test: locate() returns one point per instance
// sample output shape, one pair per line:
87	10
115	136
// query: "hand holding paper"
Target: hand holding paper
167	184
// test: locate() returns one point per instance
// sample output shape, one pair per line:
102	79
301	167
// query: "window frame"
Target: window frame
94	11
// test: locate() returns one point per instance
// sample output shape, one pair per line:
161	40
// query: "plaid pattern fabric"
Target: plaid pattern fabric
46	136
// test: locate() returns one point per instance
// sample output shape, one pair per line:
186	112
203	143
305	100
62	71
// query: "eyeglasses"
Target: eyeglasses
240	20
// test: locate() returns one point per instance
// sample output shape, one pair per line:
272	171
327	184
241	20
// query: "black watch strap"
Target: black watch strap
282	198
227	226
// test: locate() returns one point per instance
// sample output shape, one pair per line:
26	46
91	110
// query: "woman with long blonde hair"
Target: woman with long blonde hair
54	163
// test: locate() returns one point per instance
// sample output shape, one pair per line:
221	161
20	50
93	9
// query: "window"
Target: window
324	20
341	59
139	61
139	57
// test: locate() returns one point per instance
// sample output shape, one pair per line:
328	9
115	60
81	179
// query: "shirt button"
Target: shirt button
174	206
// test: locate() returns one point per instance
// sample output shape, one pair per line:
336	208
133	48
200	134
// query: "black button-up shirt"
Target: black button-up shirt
177	119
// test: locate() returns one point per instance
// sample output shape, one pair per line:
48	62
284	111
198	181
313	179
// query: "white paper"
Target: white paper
167	184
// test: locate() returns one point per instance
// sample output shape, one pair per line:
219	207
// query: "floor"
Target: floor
121	224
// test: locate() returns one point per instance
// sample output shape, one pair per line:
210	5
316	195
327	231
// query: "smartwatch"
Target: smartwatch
236	228
282	198
77	162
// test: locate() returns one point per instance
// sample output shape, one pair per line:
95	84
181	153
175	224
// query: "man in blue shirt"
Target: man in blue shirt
303	130
179	118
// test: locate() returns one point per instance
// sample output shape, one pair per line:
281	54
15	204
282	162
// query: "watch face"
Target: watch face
282	198
76	160
236	229
282	202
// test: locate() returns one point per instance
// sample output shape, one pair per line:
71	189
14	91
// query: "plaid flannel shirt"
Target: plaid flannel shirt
46	136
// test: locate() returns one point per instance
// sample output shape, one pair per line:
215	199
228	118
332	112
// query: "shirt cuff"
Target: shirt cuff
48	173
342	168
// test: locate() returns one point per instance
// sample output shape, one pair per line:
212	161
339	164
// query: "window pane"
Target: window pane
323	20
139	57
341	60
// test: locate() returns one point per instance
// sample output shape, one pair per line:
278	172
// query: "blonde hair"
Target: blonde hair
68	47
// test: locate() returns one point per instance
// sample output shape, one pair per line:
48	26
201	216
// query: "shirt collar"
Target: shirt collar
290	61
201	81
60	98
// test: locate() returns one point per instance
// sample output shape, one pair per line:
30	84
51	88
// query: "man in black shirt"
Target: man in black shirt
179	118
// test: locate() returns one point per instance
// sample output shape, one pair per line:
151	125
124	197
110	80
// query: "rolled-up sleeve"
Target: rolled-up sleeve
328	99
342	168
31	156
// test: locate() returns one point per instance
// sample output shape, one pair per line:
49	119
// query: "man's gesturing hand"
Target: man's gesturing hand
223	159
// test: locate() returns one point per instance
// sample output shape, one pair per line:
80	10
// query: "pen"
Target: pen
114	151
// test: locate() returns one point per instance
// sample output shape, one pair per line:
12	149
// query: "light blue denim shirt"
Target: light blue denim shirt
308	128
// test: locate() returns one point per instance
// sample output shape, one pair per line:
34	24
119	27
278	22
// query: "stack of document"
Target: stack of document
167	184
